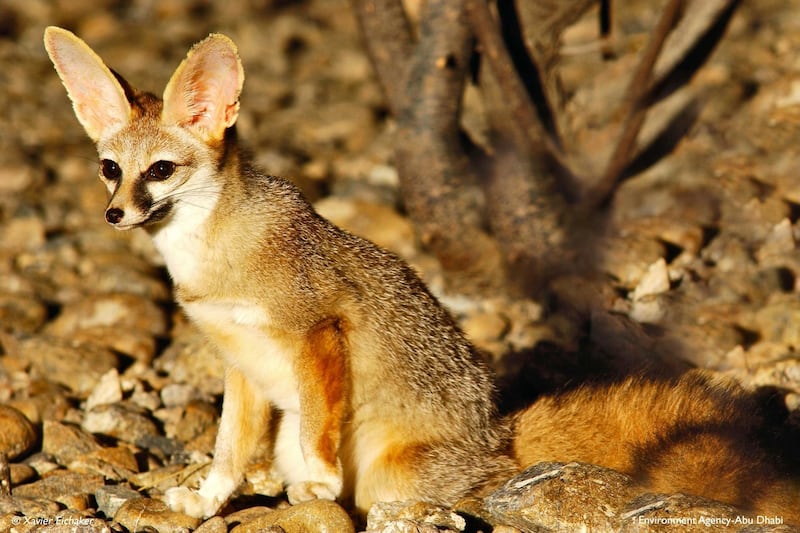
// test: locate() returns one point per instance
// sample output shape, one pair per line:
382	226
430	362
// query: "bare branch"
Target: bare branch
387	36
525	117
635	106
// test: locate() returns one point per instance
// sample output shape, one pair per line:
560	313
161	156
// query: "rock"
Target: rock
777	321
66	443
22	233
484	326
204	442
192	359
68	521
111	497
135	343
655	280
122	420
179	394
27	506
197	418
70	488
22	313
628	258
115	463
42	463
137	514
160	446
21	473
563	497
316	516
649	309
379	223
17	435
108	390
653	513
145	399
119	310
412	517
77	367
248	514
215	524
784	374
45	401
261	479
778	245
15	177
169	476
505	529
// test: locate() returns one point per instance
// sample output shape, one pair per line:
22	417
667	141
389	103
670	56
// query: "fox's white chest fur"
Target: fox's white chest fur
183	240
244	327
245	343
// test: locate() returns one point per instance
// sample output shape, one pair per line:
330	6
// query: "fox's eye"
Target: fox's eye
110	169
160	170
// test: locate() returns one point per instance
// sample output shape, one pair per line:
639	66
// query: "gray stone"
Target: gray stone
652	513
42	463
179	394
122	420
111	497
69	488
563	497
66	443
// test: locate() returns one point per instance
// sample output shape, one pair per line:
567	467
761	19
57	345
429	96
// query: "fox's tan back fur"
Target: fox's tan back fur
375	393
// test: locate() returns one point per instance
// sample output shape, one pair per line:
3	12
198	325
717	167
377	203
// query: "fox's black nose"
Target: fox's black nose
114	215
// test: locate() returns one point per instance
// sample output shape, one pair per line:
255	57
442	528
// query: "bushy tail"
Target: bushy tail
695	435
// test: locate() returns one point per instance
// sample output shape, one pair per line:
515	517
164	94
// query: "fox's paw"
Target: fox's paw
310	490
192	503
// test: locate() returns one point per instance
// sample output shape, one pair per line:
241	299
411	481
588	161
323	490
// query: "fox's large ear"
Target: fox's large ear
203	93
97	97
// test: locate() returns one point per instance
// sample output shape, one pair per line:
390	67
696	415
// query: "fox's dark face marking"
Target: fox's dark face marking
140	197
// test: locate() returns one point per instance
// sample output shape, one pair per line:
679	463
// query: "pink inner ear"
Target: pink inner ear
207	89
98	99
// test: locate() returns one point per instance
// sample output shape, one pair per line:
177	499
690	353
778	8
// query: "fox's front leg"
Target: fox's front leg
323	381
244	419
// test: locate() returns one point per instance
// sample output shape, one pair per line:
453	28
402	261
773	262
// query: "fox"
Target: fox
336	354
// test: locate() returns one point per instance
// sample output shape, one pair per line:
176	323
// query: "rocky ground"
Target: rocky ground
109	397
